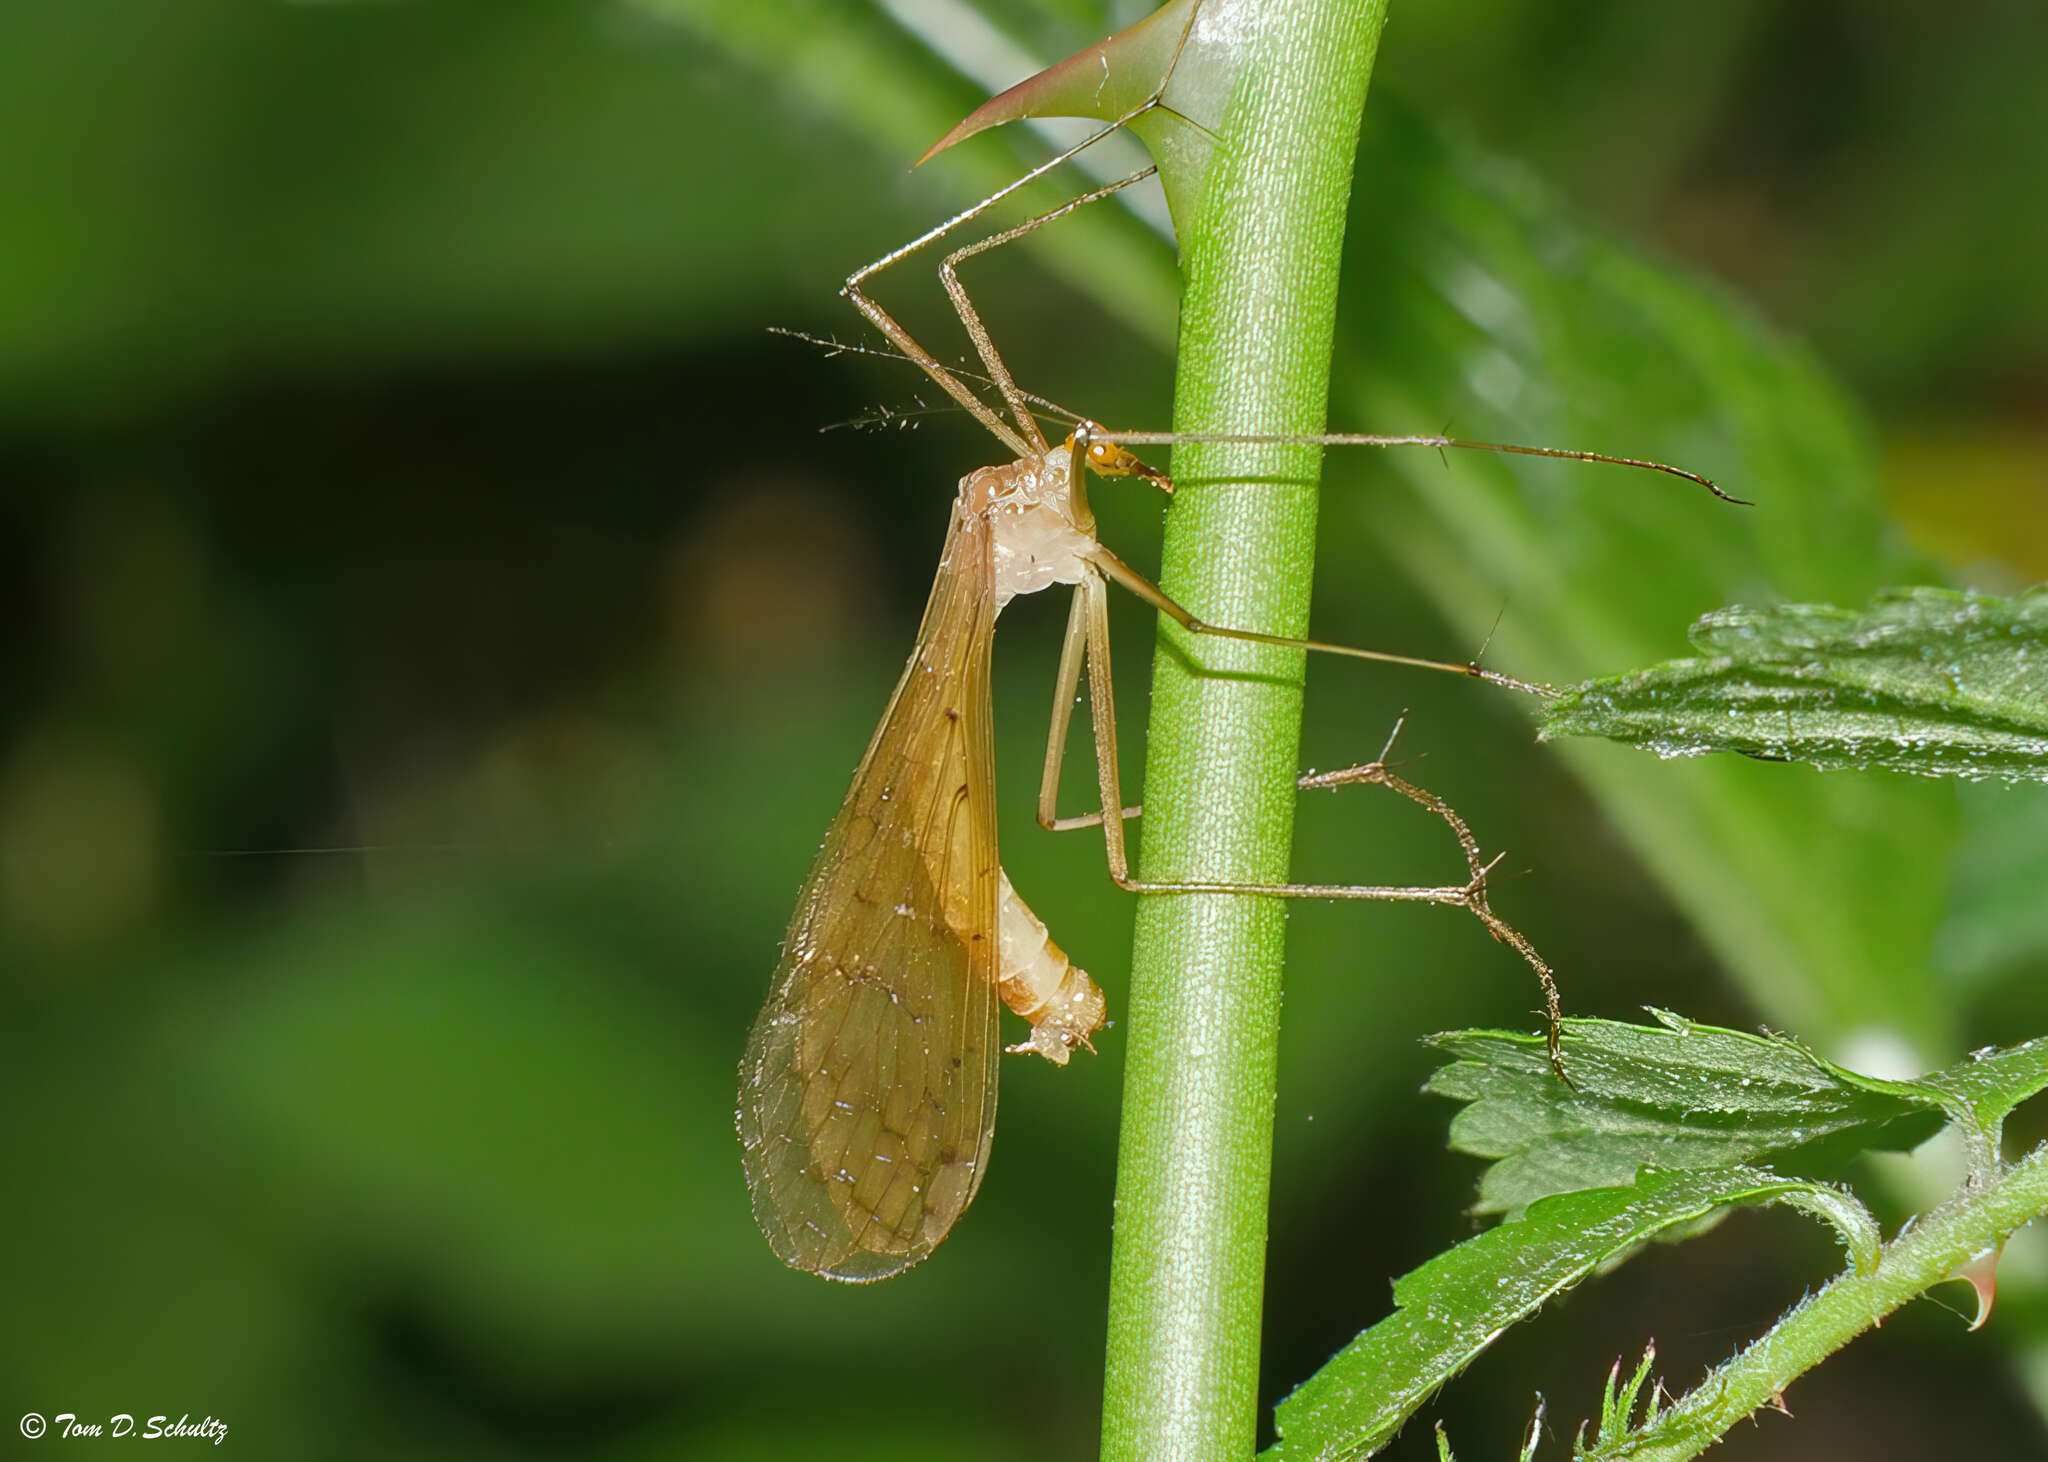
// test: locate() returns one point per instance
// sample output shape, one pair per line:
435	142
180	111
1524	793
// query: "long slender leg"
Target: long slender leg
1093	593
1065	687
1091	610
984	344
1129	578
904	341
1377	772
1376	439
1088	436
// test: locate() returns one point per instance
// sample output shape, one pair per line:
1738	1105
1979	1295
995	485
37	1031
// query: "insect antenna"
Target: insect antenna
832	346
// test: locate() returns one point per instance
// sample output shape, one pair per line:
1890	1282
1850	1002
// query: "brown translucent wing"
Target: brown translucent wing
868	1091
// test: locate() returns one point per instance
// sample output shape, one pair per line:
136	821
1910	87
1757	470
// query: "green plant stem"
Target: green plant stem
1257	320
1938	1247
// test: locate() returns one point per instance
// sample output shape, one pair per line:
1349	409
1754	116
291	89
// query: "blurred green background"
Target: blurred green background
439	632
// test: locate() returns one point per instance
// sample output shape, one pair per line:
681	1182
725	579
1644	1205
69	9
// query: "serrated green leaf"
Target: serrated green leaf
1928	681
1683	1096
1978	1091
1992	1081
1457	1304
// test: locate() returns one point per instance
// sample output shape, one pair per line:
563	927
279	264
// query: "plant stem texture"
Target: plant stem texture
1258	314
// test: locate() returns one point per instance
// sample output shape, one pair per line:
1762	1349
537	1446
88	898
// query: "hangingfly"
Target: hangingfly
868	1090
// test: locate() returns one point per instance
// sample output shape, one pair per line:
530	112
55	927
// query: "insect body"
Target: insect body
868	1090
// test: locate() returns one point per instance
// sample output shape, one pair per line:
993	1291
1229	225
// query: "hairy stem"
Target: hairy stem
1968	1227
1196	1150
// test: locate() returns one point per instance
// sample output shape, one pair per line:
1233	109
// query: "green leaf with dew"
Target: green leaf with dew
1935	682
1681	1096
1457	1304
1978	1091
1991	1082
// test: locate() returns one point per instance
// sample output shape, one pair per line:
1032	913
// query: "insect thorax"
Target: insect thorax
1041	535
